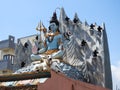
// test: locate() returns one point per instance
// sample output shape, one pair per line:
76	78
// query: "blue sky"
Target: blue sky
20	17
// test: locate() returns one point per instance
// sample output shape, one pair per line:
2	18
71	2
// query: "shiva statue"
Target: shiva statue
51	47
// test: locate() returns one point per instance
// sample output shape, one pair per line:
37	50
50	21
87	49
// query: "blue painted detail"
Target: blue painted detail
54	43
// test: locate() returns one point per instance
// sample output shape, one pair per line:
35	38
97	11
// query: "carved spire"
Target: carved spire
95	24
76	19
103	26
86	23
63	15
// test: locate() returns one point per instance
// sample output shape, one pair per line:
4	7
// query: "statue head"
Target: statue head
54	24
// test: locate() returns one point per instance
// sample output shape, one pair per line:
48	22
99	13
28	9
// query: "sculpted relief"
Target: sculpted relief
66	47
71	47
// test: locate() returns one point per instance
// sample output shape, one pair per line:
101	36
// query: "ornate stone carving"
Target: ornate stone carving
73	48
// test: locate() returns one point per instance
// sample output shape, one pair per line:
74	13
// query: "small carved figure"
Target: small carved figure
75	20
99	29
83	43
67	18
95	53
92	26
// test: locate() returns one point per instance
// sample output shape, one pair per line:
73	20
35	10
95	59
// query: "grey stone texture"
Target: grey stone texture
108	76
23	50
91	58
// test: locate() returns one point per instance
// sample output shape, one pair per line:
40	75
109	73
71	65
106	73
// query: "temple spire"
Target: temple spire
103	26
76	19
62	14
86	23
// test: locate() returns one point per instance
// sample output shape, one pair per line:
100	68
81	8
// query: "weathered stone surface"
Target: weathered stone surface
92	59
22	52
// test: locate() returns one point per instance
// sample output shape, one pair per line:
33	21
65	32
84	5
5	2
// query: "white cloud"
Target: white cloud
116	75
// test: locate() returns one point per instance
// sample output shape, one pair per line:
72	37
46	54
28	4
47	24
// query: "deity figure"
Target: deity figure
51	48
